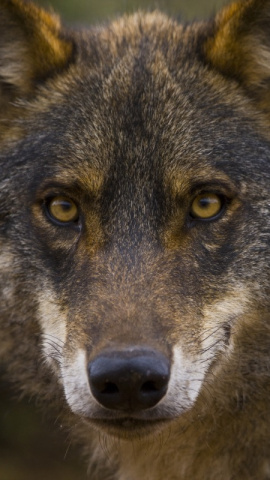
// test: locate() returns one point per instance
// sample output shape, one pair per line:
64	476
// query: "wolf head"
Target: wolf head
134	210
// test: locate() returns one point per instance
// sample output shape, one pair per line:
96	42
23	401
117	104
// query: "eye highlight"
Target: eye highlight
62	210
206	206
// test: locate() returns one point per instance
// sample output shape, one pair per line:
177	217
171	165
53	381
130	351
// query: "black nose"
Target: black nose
131	380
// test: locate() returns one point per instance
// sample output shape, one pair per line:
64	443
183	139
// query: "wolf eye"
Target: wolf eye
206	206
62	210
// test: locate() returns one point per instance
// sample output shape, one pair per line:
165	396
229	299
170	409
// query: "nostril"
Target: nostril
149	387
110	388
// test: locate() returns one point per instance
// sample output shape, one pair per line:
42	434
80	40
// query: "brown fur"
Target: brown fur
132	122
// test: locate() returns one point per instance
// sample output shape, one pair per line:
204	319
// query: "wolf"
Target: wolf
134	233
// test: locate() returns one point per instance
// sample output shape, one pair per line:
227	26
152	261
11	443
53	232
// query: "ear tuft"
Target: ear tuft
32	45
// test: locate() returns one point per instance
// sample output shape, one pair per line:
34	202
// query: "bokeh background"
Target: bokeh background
32	448
97	10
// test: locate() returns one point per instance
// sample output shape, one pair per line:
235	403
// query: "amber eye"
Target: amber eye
62	209
206	206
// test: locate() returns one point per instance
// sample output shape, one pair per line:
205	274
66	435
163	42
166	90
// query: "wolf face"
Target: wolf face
134	227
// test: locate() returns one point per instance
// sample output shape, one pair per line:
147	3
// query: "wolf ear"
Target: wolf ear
31	46
240	46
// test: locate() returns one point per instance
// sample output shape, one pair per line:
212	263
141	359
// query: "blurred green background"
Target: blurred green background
96	10
30	447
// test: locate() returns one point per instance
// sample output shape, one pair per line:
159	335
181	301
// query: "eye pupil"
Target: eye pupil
204	202
206	206
62	210
65	206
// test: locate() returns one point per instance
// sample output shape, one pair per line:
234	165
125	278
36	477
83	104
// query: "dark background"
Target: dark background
32	448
